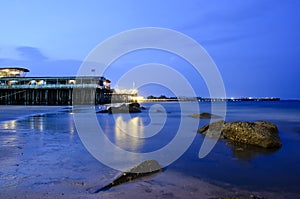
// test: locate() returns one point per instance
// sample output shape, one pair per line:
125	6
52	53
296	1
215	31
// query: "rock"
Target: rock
134	104
124	109
137	105
212	130
145	168
204	115
112	110
130	108
263	134
102	111
143	108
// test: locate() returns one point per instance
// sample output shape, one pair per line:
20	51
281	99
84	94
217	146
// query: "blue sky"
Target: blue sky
254	43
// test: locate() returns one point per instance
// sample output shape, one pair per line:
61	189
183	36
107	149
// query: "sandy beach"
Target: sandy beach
42	159
164	185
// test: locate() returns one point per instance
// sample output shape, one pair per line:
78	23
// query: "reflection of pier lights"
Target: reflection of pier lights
129	132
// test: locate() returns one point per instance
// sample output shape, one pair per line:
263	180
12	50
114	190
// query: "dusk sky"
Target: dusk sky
254	43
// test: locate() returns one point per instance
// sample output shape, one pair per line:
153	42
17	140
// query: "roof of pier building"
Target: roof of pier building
13	72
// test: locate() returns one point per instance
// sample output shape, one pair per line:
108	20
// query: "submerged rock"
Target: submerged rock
145	168
247	152
159	111
261	133
204	115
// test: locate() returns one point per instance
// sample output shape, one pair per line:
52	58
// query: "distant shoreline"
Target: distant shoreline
201	99
174	100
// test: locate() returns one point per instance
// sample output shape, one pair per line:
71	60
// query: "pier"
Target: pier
53	90
16	89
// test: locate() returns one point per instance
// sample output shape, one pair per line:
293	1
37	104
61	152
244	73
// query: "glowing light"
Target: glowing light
125	91
71	81
41	82
137	98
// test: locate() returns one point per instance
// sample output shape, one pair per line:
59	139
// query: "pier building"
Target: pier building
16	89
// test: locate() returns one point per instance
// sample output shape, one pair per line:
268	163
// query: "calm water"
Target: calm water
252	168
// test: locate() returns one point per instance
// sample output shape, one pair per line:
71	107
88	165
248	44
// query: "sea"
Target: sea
45	141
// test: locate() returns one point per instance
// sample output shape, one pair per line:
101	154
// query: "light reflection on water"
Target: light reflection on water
9	125
250	167
40	148
37	123
42	123
134	127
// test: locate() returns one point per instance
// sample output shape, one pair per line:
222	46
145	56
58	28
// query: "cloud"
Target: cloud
226	23
30	53
45	67
41	65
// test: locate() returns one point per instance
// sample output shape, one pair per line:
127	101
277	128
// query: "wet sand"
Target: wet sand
18	112
162	185
43	162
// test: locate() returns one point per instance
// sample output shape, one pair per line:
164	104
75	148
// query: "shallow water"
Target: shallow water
252	168
257	168
47	146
